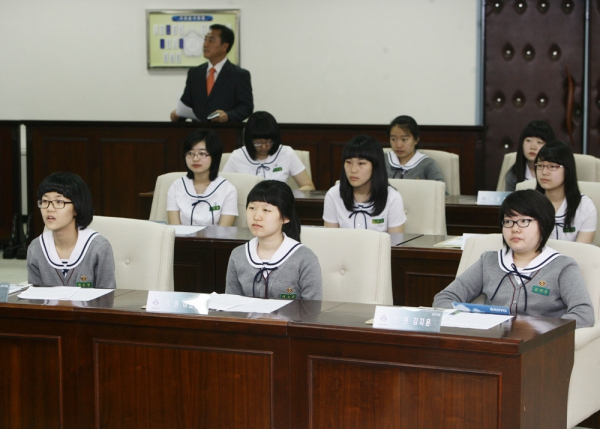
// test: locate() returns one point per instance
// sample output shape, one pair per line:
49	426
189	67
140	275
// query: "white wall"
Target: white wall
313	61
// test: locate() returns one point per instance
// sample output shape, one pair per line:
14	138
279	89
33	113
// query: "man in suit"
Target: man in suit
217	88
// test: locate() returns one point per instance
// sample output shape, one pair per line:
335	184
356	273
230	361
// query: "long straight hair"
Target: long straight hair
365	147
538	129
280	195
562	154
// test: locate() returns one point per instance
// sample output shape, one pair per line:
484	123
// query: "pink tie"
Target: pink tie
210	81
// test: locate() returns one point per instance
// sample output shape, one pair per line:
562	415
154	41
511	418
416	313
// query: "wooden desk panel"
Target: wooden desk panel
10	177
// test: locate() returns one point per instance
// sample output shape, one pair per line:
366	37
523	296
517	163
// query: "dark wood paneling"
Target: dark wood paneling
594	81
10	177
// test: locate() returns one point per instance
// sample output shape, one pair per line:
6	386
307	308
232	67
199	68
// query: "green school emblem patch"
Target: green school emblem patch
570	229
84	284
377	221
287	296
541	290
276	169
215	208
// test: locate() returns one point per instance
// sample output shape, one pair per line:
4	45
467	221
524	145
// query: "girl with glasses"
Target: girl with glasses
526	276
533	137
363	199
69	253
556	176
201	197
264	155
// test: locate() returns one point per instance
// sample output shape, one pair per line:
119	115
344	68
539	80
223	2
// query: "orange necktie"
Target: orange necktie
210	81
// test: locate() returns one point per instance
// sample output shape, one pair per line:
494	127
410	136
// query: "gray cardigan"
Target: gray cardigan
555	290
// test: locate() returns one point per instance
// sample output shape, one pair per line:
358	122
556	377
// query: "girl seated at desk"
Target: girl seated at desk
533	137
404	161
556	176
202	197
69	253
264	155
274	264
527	276
363	199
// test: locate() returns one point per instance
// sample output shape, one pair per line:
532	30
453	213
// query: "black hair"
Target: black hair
71	186
365	147
214	147
280	195
529	202
407	123
226	35
559	153
261	125
538	129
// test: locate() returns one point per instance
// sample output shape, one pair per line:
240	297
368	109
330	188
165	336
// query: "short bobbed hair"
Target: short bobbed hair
559	153
71	186
261	125
530	203
365	147
407	123
214	147
538	129
280	195
226	35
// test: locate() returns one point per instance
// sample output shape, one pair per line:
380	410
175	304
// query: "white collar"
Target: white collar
412	163
218	67
285	250
505	260
84	239
188	185
269	160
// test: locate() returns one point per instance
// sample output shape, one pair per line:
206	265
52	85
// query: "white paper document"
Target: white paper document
65	293
227	302
187	229
184	111
18	288
460	319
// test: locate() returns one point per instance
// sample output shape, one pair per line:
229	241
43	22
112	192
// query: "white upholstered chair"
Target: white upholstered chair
584	393
143	252
449	166
243	184
591	189
304	156
355	263
588	168
424	205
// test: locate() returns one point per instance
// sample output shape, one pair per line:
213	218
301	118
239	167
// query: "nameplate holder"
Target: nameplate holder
177	302
407	319
481	308
4	290
491	198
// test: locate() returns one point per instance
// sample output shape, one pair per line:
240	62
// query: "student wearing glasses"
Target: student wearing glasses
69	253
202	197
556	176
527	276
264	155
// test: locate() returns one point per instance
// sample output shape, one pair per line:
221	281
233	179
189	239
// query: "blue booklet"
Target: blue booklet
480	308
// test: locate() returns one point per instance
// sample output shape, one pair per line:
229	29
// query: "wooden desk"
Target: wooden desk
311	364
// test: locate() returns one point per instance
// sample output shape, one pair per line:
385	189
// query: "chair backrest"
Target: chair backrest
449	166
143	252
355	263
304	156
526	184
243	184
424	205
509	160
586	255
161	189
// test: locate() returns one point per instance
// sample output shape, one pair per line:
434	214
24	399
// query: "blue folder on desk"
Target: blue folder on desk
480	308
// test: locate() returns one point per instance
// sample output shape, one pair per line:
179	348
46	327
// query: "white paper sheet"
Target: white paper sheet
184	111
187	229
88	294
65	293
459	319
18	288
227	302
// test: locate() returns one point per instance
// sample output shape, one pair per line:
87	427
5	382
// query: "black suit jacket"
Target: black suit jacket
232	92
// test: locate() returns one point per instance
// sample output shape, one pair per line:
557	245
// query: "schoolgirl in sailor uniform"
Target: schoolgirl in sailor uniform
556	173
533	137
403	161
264	155
363	199
527	276
69	253
274	264
202	197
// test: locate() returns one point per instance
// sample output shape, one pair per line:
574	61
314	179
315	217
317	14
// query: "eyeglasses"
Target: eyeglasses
521	223
259	143
201	155
550	167
57	204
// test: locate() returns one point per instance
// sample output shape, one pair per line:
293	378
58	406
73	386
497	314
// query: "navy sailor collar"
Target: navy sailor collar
84	240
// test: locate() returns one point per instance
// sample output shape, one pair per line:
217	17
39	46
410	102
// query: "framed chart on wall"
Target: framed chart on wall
176	37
